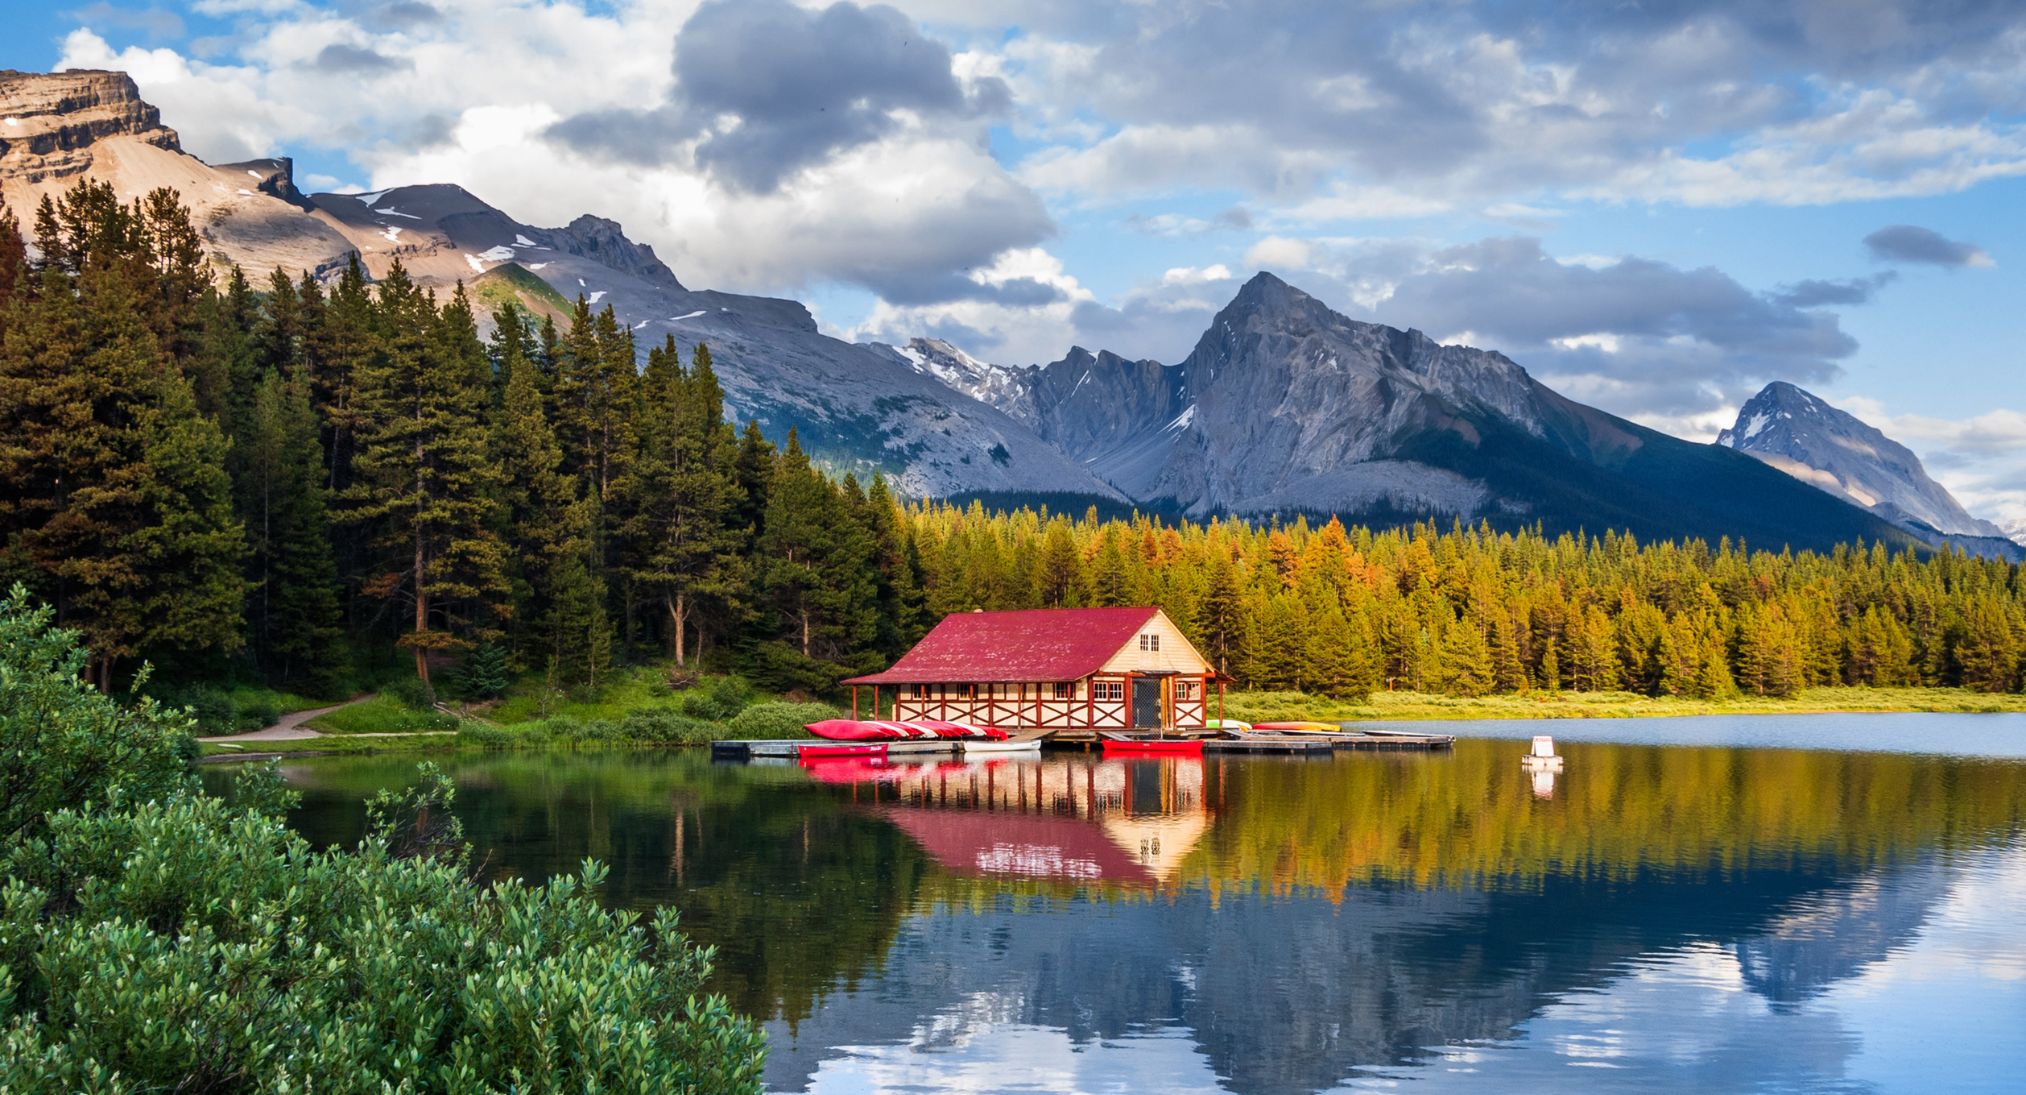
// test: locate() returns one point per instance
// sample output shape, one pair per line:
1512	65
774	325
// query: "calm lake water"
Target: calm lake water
1660	917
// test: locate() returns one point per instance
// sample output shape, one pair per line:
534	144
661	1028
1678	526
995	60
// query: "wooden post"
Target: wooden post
854	702
1220	699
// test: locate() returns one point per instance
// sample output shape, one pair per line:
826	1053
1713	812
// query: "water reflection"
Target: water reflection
1299	925
1126	822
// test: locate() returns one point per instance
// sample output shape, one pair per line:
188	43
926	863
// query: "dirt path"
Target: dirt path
290	727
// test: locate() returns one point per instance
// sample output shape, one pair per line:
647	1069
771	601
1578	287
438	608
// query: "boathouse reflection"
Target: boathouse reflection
1112	821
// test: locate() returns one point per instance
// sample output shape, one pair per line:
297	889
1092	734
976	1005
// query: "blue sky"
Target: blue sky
1656	207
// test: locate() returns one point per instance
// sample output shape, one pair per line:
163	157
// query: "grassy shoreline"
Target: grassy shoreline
1421	706
634	715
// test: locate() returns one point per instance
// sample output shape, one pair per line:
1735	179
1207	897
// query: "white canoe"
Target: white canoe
975	746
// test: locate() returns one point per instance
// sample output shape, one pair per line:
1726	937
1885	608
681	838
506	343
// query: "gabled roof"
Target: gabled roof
1037	644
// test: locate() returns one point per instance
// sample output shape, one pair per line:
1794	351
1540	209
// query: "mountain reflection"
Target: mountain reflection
1295	924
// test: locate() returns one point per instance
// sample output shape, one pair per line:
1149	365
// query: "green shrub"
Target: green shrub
153	938
412	692
61	743
717	698
257	713
779	720
668	728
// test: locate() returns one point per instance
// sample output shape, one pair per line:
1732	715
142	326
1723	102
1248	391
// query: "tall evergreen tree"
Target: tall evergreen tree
682	542
294	617
428	484
559	619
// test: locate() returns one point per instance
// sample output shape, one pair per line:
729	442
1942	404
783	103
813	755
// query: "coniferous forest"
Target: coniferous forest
310	484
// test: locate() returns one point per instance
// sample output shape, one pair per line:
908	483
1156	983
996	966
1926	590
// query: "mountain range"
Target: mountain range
1284	406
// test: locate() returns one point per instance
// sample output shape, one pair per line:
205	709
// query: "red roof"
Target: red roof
1037	644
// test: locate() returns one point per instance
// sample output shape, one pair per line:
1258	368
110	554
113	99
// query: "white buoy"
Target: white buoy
1543	755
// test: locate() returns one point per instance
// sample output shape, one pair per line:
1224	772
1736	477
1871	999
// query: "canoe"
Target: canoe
829	750
883	730
961	730
1125	743
1229	726
984	746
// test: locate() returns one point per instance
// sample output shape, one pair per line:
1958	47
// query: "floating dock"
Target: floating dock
1251	743
1261	743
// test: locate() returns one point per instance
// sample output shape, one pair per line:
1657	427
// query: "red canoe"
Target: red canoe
879	730
1155	746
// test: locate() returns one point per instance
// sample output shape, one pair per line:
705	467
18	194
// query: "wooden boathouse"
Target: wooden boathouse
1064	669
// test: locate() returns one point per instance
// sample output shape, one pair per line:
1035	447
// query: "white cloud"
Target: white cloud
469	97
1981	459
1196	275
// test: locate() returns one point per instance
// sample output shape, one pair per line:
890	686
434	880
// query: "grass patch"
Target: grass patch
635	688
333	744
1408	706
381	715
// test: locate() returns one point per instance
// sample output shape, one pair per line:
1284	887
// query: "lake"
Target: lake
1683	909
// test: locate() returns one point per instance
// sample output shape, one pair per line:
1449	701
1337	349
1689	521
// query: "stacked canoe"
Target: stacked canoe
870	737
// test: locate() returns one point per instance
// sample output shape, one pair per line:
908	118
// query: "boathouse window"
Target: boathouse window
1065	690
1108	690
1187	690
1150	642
918	691
967	691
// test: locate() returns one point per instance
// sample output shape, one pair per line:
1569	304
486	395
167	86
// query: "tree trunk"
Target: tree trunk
678	621
421	613
421	590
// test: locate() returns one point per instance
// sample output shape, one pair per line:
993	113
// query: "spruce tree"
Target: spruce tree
682	543
559	616
428	484
117	503
294	617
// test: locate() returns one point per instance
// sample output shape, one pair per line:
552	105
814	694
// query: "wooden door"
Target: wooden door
1147	702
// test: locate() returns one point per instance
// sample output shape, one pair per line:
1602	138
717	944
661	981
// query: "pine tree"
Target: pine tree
559	616
814	572
428	485
294	616
682	543
897	569
1221	613
1061	579
1463	662
1339	658
1990	648
117	503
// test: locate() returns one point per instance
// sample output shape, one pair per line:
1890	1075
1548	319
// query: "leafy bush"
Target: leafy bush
779	720
257	712
155	938
716	698
61	743
669	728
412	692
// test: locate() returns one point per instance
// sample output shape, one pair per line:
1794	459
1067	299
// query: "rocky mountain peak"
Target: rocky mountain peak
1803	435
49	122
605	242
